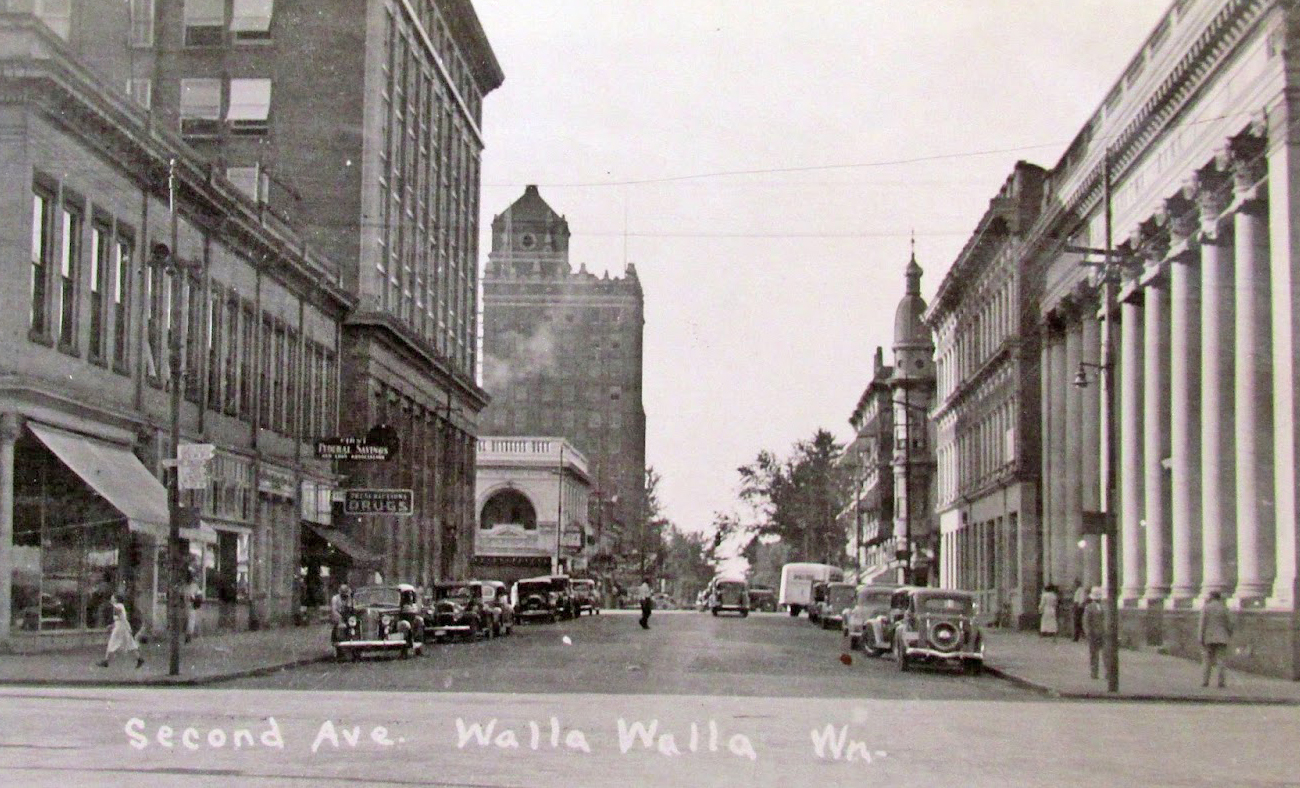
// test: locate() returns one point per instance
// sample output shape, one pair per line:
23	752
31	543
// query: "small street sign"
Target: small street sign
392	502
193	464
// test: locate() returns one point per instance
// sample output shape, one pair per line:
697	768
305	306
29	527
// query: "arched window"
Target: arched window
508	507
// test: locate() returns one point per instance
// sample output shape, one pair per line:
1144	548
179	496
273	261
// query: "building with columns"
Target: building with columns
1197	142
868	515
912	393
986	411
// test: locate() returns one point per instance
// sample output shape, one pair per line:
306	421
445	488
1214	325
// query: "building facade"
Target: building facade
87	324
528	487
868	516
986	414
1197	140
562	355
359	122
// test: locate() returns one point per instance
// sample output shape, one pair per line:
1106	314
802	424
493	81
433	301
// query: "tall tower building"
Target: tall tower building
912	388
358	122
562	354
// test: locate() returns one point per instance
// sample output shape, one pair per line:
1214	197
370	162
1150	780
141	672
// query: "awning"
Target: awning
116	474
345	544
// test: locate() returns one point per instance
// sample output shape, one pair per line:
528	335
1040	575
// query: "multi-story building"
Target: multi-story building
986	412
526	488
562	354
1192	155
359	121
97	194
868	515
912	391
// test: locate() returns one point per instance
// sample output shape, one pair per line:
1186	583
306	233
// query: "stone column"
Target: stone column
10	429
1089	570
1046	431
1131	501
1055	568
1070	563
1155	438
1218	489
1254	390
1184	404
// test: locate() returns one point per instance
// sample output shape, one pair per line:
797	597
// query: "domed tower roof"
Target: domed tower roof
909	330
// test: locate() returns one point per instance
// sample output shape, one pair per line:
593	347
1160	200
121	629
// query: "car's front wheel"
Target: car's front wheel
901	654
855	642
973	667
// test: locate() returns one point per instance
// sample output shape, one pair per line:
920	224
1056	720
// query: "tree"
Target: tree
686	562
653	523
765	561
796	498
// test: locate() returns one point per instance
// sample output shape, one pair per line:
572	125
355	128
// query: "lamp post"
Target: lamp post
559	512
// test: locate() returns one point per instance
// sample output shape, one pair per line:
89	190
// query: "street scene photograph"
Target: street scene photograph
566	393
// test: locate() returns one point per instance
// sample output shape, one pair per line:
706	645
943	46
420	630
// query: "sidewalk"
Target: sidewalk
207	659
1059	668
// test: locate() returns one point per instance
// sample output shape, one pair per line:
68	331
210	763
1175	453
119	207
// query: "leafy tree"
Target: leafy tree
765	561
796	498
686	562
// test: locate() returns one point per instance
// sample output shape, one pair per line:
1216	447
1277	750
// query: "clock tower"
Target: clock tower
529	239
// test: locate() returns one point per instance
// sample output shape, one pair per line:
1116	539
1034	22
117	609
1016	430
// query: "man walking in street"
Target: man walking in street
644	594
1094	628
1215	632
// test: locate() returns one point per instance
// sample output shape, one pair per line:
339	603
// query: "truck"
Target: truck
797	582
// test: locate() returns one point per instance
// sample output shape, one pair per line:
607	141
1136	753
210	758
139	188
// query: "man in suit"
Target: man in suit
1214	632
646	603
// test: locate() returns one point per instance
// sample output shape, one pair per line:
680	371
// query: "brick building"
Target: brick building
85	327
868	516
562	355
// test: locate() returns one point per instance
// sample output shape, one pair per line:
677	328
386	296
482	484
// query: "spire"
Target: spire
914	271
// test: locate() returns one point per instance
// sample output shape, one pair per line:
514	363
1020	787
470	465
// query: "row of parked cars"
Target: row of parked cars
401	619
914	624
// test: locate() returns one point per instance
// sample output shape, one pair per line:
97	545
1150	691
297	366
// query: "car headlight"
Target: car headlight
352	621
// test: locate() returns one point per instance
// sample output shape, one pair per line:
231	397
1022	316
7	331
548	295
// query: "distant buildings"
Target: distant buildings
869	462
562	356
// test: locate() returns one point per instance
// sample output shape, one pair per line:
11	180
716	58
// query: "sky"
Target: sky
765	164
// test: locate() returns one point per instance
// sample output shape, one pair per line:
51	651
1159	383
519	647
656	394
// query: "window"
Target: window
250	105
250	20
57	14
200	107
230	378
247	180
69	265
101	242
195	307
204	22
216	335
248	330
41	225
140	90
142	23
121	296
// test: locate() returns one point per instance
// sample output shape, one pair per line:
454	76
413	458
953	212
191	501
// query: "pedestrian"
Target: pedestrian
121	638
339	602
1214	632
193	596
644	594
1093	622
1047	611
1078	599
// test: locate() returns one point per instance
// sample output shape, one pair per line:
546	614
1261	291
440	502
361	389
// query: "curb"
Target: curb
1052	692
169	681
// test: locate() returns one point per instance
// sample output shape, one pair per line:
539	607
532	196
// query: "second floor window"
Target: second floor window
41	224
69	264
101	242
121	298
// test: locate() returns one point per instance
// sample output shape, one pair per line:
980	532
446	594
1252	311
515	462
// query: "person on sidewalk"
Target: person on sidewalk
121	638
1215	632
1093	622
193	600
339	602
645	595
1047	604
1078	600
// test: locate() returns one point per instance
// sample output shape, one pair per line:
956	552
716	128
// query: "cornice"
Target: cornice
416	351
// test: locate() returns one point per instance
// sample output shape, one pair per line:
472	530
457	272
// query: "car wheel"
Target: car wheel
794	611
715	611
338	654
356	655
855	643
901	654
744	614
973	667
405	653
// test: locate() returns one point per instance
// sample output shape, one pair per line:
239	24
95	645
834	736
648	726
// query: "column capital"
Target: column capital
1209	189
1244	158
11	426
1180	216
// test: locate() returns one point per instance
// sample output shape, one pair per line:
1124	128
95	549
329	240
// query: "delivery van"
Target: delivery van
797	582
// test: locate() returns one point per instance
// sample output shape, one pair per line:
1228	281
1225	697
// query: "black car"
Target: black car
536	599
762	599
380	618
584	596
457	610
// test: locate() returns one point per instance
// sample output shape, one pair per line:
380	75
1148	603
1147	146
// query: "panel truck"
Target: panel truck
797	582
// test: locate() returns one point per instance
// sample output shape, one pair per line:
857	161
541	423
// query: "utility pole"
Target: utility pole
559	513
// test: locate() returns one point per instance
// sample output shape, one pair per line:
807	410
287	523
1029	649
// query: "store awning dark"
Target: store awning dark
345	544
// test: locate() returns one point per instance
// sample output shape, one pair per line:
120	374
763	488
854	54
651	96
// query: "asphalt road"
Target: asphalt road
684	653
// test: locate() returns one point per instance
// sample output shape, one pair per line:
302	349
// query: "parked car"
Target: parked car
380	619
458	611
584	596
867	620
496	596
938	626
835	605
818	597
762	599
535	599
662	601
729	595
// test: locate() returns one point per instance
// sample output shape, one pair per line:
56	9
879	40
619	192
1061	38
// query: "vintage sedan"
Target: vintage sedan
457	611
536	599
938	627
868	619
730	595
762	599
496	597
584	596
835	604
380	619
818	597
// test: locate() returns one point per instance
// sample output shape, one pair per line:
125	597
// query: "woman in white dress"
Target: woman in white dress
1047	605
121	638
